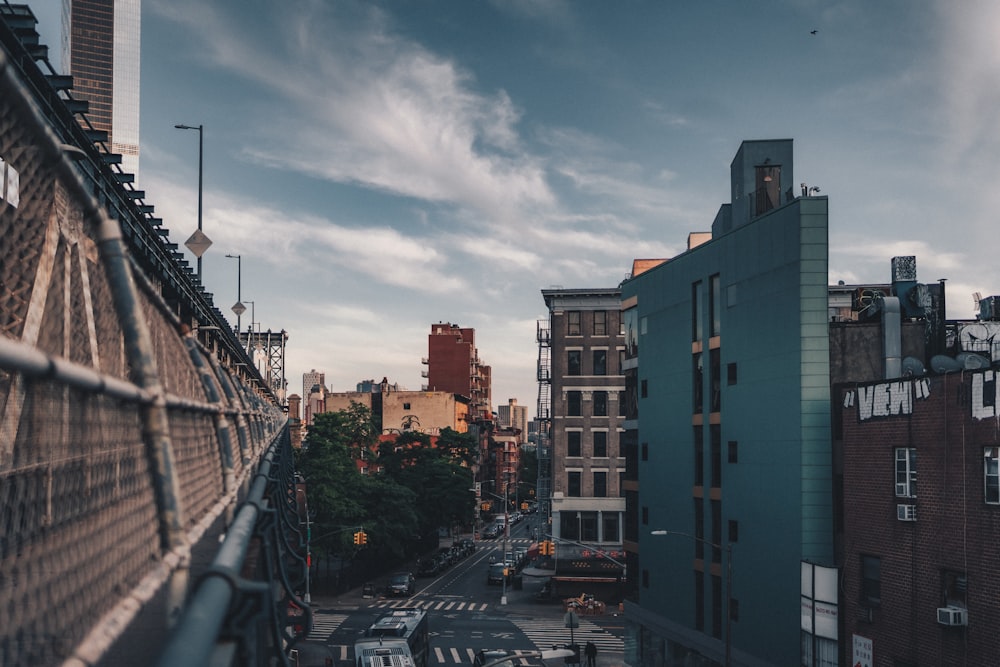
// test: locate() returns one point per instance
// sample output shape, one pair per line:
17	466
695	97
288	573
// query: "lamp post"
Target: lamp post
198	243
729	583
238	307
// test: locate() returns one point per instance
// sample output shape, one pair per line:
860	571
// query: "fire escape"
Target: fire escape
544	418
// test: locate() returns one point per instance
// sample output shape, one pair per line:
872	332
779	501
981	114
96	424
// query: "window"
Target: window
731	374
734	451
406	406
573	403
611	527
715	304
573	362
767	194
699	528
573	323
715	434
871	580
573	483
645	516
573	443
601	484
734	531
697	383
630	320
600	362
588	526
643	391
716	607
699	601
569	525
991	475
699	457
954	589
906	472
600	444
645	451
600	323
622	405
600	404
696	312
715	369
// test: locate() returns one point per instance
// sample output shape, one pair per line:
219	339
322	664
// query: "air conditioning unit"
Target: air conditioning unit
906	512
952	616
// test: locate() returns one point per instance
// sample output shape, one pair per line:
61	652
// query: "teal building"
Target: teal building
727	433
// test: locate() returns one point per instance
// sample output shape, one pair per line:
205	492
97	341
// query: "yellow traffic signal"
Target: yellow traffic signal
547	548
364	537
524	506
357	537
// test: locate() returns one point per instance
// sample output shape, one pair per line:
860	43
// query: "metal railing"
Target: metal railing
131	443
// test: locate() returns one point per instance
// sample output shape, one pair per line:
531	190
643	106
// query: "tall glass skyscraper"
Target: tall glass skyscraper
101	52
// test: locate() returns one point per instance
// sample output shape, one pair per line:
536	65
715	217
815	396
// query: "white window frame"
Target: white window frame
906	476
991	470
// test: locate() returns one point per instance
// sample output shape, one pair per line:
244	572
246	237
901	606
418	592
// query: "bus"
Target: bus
400	639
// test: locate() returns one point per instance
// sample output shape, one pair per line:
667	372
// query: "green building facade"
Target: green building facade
728	387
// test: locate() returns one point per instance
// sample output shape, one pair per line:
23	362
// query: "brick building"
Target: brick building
921	519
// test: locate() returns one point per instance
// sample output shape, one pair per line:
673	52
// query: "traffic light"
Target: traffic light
546	548
524	505
357	537
364	537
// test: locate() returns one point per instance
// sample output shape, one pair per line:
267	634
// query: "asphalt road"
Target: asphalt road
465	615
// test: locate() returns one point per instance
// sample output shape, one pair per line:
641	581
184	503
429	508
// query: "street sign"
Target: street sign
198	243
239	308
571	620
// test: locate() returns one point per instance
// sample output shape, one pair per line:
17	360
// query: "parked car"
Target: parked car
428	567
402	584
467	545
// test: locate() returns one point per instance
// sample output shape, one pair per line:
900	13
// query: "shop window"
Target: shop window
991	475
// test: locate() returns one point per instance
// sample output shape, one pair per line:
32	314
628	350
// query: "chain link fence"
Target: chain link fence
128	438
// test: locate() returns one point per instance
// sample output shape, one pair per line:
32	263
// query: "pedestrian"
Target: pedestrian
590	650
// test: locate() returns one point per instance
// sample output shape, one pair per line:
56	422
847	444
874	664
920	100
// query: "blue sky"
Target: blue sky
381	166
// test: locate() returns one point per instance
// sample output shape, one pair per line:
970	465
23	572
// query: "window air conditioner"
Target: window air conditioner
952	616
906	512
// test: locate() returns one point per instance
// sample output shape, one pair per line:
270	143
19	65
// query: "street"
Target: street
466	614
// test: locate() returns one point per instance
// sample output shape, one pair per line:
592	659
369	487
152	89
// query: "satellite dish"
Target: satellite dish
972	361
913	367
941	363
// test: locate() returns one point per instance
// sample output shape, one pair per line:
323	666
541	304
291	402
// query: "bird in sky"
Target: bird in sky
813	32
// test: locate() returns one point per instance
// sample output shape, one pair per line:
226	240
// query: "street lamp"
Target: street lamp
198	243
238	307
729	583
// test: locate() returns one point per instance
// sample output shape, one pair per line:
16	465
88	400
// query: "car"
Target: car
488	655
428	567
495	574
401	584
467	545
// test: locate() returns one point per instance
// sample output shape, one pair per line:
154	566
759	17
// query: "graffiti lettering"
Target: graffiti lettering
887	399
985	395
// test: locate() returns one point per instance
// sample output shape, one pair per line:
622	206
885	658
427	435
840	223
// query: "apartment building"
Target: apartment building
585	347
727	363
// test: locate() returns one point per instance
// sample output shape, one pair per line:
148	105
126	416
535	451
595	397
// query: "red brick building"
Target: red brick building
453	365
921	513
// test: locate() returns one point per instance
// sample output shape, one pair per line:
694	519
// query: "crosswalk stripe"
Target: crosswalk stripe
325	624
454	655
545	632
438	654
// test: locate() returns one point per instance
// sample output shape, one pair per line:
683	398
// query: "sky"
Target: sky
383	166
